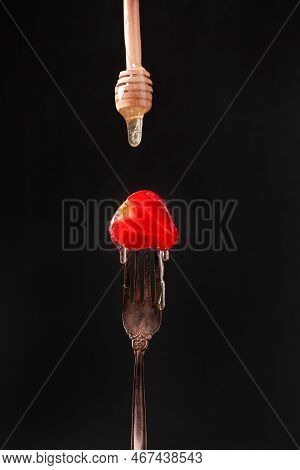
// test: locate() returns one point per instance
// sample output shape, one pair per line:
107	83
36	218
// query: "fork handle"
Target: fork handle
138	424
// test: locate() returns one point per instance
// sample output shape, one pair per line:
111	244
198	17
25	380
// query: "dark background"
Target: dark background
198	394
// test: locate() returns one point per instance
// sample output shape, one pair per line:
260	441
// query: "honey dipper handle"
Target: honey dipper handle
138	425
132	32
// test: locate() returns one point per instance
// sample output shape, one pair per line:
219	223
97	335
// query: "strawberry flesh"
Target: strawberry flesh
143	221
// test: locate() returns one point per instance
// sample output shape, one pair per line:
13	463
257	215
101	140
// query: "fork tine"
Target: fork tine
159	280
126	285
147	278
137	282
156	275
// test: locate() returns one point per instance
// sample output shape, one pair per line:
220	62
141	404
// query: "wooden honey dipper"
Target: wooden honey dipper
133	92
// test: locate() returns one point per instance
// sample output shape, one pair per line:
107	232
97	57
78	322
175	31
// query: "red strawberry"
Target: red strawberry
143	221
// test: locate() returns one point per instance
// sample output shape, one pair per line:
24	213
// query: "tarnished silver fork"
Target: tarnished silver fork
143	302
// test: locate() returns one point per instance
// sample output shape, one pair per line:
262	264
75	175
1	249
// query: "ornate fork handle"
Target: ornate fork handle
138	424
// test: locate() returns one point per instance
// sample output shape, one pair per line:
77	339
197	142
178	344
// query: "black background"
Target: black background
198	394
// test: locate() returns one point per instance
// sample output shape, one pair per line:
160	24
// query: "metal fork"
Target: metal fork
143	302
